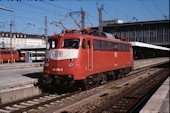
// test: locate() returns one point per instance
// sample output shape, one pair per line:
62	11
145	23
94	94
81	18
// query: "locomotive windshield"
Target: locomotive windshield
71	43
52	44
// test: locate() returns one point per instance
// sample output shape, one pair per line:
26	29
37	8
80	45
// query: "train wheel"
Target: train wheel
110	75
90	81
117	74
80	84
104	77
101	77
43	83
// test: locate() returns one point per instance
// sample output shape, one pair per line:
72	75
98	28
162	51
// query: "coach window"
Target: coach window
84	44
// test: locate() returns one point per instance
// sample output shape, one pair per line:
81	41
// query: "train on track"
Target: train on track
84	58
7	54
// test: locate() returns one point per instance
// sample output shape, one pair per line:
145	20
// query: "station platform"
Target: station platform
138	64
18	83
20	65
144	50
159	102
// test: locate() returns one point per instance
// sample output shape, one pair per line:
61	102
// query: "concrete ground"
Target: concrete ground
14	77
16	84
5	66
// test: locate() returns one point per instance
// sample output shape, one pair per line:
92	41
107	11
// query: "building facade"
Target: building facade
21	41
151	32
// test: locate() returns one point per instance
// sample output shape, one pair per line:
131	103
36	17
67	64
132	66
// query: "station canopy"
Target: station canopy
140	44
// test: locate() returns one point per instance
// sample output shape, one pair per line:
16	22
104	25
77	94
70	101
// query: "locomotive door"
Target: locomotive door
90	54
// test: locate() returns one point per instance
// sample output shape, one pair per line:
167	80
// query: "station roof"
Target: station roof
140	44
161	22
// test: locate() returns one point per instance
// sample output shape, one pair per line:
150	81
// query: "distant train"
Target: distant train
7	54
18	55
83	59
34	55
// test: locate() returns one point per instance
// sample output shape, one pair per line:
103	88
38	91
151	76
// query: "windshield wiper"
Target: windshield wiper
72	45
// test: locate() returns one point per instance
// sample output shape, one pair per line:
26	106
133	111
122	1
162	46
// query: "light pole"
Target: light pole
1	44
100	17
11	51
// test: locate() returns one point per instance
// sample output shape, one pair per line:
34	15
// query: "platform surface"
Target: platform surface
20	65
149	62
18	77
158	103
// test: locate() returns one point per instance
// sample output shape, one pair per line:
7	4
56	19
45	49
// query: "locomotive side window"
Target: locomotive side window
84	44
71	43
52	44
123	47
110	46
104	45
97	44
88	43
115	46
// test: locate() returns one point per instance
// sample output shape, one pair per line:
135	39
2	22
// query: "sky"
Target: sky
28	16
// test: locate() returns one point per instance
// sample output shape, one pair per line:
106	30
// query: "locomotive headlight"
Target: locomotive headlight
46	64
70	65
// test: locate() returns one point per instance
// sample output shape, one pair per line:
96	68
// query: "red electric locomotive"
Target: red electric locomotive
84	59
5	54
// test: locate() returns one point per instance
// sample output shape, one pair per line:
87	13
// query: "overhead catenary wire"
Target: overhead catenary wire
21	17
116	10
148	9
23	21
41	8
39	15
31	13
56	6
159	9
48	10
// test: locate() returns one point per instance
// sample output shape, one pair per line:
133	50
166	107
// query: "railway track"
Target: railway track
133	99
67	102
120	98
